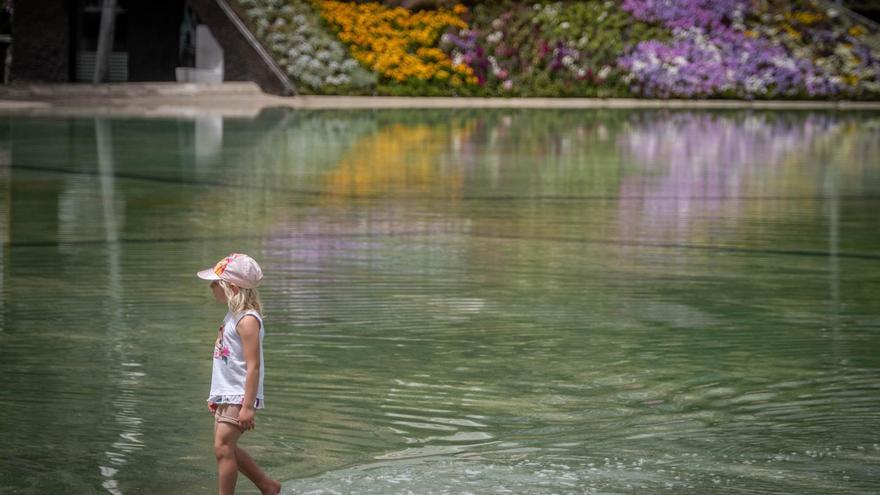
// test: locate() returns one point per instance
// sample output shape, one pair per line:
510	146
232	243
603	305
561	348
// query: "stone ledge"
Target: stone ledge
246	100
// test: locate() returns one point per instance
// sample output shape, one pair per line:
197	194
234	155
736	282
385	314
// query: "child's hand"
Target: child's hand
246	418
212	407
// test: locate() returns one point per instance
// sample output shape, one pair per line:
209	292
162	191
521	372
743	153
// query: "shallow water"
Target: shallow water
456	302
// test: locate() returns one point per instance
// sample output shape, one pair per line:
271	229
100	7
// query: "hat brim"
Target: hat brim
208	274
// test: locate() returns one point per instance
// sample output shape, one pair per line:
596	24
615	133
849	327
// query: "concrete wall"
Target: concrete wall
41	33
241	60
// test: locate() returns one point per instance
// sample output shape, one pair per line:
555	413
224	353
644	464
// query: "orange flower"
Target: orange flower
396	43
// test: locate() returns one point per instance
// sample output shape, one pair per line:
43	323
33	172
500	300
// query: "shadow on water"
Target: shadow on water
516	301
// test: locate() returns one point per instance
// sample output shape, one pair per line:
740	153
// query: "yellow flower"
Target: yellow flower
857	31
792	31
808	18
395	42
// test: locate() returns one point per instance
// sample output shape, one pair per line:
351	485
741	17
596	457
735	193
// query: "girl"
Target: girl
237	377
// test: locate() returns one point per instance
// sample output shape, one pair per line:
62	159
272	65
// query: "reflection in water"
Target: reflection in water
702	168
530	301
208	138
127	375
5	222
398	159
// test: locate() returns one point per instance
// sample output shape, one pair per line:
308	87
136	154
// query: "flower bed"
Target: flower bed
398	44
838	46
549	49
653	48
313	58
730	48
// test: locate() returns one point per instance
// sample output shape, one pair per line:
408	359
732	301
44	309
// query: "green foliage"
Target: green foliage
310	55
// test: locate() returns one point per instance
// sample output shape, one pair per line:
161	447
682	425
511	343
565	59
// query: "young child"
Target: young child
237	377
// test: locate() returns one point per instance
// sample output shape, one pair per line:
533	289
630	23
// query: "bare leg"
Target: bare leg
246	465
225	440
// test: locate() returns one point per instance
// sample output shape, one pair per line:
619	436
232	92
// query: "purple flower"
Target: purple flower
707	56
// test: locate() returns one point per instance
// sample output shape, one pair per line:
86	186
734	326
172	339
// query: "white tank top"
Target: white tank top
230	371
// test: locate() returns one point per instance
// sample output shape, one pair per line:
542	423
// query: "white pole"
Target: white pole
105	41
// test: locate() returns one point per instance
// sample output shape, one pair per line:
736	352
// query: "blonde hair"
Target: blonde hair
245	299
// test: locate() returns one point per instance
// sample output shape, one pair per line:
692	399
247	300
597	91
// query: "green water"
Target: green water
456	302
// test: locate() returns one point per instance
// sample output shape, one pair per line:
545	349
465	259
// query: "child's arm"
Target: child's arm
249	330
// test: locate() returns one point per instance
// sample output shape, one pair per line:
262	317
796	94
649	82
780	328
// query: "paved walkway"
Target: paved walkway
246	100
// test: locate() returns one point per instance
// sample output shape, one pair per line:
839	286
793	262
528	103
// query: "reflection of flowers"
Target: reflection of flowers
394	161
692	164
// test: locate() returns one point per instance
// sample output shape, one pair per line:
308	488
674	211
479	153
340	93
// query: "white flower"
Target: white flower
754	84
310	80
602	16
567	60
496	69
785	63
564	25
495	37
604	72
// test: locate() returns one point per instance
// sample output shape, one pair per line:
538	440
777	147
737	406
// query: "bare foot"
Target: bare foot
273	487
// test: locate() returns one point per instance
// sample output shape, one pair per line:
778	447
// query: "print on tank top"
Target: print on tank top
221	351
